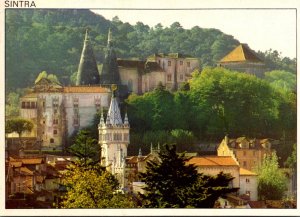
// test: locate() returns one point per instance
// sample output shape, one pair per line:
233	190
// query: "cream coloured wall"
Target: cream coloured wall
249	184
214	170
130	77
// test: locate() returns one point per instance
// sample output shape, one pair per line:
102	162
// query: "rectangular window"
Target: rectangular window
44	104
51	140
55	121
247	180
188	64
169	63
33	105
55	132
181	63
23	105
169	77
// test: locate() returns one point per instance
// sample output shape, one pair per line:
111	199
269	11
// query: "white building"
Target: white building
57	111
248	184
114	140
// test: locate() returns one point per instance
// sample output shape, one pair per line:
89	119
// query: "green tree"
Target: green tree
85	148
291	161
172	183
92	187
18	125
12	106
271	181
282	80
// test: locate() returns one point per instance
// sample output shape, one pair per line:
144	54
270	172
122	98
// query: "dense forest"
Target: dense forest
51	40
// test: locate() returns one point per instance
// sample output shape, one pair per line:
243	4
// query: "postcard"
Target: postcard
176	108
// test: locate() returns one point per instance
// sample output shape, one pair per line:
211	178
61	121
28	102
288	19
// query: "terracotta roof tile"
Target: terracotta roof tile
241	53
245	172
31	160
85	89
26	171
15	164
213	161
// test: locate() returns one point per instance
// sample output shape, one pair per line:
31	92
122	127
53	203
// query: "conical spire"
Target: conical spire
114	112
140	153
101	118
88	73
126	122
110	71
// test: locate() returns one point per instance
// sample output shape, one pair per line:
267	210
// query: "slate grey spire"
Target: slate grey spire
110	71
114	111
88	73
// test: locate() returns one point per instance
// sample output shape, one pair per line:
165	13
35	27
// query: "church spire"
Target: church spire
110	71
88	73
114	111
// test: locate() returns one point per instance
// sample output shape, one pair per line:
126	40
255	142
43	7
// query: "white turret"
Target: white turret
114	140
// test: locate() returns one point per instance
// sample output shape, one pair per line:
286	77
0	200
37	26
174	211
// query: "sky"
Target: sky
261	29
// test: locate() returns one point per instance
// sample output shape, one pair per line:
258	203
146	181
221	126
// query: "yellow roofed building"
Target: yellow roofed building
243	59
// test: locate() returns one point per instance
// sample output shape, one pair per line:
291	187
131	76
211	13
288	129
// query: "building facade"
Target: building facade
114	140
57	112
248	152
248	184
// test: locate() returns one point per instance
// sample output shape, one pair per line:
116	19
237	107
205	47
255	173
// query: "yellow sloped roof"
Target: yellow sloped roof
245	172
240	54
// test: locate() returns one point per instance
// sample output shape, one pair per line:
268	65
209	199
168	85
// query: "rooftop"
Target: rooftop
241	53
85	89
213	161
245	172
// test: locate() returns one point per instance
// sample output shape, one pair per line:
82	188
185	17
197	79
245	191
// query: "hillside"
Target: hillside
51	40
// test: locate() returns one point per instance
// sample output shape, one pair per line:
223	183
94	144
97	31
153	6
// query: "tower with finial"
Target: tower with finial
114	139
88	73
110	70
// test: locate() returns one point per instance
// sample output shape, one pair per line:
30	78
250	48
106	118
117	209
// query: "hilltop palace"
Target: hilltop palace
60	111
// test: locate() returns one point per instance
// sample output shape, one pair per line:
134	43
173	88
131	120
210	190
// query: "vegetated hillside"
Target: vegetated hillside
51	40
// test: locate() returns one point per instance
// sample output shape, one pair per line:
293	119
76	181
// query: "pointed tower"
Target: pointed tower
114	140
110	71
88	73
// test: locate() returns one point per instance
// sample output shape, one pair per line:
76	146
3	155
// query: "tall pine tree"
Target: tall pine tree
172	183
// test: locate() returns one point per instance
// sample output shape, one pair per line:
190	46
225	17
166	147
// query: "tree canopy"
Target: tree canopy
92	187
217	102
172	183
18	125
271	181
51	40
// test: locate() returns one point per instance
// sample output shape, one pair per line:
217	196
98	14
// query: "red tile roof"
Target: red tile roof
213	161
